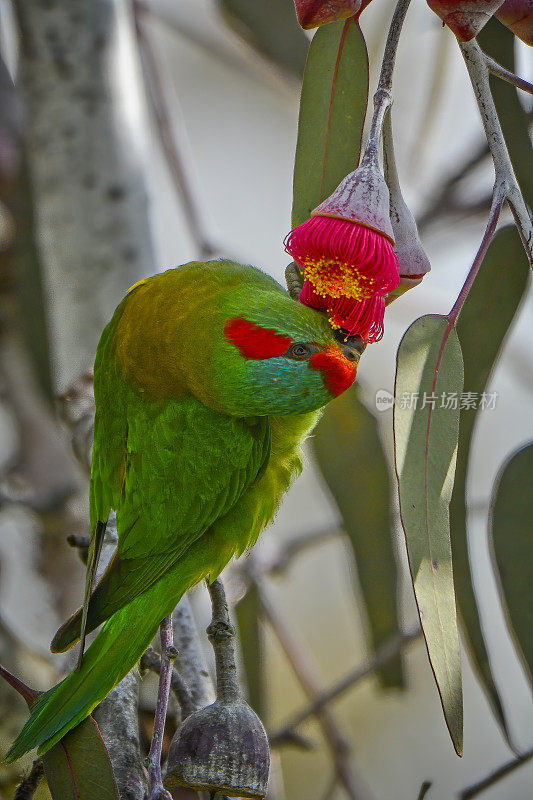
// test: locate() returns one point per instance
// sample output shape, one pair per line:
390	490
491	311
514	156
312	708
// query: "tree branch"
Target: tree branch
175	161
494	777
383	655
28	785
505	179
118	722
168	653
383	95
507	75
152	661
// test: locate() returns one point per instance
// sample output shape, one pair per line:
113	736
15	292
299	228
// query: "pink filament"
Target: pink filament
361	317
343	258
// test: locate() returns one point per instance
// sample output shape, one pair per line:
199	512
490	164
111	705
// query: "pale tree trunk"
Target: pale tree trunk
91	223
78	79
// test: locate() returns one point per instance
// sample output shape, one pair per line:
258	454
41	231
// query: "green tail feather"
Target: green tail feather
115	651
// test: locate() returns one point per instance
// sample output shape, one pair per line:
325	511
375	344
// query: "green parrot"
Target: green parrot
207	380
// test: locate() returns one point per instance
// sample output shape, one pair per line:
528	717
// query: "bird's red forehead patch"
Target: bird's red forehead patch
254	341
338	373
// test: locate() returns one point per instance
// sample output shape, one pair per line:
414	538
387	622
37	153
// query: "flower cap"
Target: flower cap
465	17
313	13
363	197
517	15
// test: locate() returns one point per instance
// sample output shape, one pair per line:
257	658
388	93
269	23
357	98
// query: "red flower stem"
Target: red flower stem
156	790
383	95
495	211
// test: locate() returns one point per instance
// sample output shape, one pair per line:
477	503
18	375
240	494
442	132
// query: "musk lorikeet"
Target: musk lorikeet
207	380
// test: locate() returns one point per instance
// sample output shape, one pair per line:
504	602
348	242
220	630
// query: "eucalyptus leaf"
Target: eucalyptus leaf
350	456
78	766
430	365
332	114
512	547
497	299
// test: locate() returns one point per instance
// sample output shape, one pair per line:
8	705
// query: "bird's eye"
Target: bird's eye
299	351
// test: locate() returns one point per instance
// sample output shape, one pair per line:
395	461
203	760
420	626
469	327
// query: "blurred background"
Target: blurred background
144	136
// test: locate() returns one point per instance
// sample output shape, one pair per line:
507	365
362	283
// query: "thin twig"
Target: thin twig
175	161
168	653
507	75
424	789
301	663
152	661
383	95
505	179
494	777
277	555
383	655
442	200
28	786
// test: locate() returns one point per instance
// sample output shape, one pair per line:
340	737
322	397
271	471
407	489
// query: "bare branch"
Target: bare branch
494	777
507	75
424	789
383	95
168	654
276	556
505	177
384	654
28	785
175	160
152	661
119	725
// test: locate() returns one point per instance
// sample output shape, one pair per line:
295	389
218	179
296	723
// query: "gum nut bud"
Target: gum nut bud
413	260
465	17
518	16
313	13
362	196
221	748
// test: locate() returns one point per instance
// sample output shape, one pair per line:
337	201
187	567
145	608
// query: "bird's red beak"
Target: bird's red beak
338	372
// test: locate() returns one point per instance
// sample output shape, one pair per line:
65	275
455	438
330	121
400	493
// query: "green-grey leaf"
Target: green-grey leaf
78	766
512	546
272	28
495	298
350	455
247	611
429	363
332	114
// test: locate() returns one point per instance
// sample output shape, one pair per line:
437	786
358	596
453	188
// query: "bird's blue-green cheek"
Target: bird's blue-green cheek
271	386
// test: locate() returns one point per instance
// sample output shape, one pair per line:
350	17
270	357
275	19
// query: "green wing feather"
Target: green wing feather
185	467
177	484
